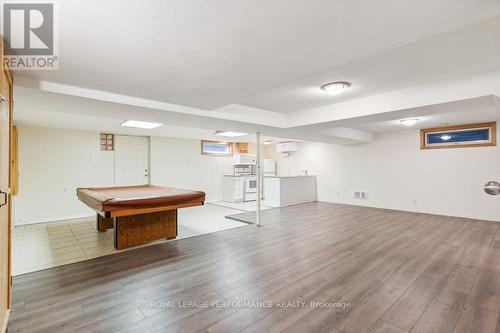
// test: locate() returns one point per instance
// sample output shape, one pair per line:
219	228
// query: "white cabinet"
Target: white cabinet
286	147
291	190
234	188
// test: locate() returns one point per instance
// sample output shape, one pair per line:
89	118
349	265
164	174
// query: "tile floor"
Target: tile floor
250	206
45	245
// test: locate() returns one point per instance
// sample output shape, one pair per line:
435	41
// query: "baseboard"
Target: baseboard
54	219
416	211
5	322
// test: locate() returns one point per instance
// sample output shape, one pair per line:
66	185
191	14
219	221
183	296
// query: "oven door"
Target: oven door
251	184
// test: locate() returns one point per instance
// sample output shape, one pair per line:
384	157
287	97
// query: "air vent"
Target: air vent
362	195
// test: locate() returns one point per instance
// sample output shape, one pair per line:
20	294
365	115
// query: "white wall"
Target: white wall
179	163
398	175
393	170
54	162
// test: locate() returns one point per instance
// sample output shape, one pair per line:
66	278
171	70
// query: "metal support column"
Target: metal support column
259	179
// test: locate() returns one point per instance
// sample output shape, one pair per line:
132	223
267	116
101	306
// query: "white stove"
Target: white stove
250	188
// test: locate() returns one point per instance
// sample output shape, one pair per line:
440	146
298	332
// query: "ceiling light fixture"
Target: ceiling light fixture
140	124
267	142
409	122
335	88
229	134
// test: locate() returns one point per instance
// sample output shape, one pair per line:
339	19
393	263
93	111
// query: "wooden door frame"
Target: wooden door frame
10	81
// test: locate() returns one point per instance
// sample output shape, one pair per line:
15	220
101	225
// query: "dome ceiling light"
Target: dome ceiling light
335	88
409	122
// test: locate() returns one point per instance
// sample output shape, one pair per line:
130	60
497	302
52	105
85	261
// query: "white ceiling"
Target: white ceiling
70	121
256	65
209	54
466	50
477	110
41	108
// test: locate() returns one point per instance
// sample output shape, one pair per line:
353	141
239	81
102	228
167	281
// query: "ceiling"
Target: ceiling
37	107
70	121
477	110
471	49
257	65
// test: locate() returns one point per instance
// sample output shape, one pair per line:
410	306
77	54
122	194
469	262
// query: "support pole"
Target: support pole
259	179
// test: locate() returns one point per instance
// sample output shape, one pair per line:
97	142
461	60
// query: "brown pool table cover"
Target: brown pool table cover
106	199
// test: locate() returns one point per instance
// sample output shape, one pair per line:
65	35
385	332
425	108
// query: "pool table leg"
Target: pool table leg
140	229
103	223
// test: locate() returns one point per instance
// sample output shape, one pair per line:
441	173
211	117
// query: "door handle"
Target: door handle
2	99
4	200
492	188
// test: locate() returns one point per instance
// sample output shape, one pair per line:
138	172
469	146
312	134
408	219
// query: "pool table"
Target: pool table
138	214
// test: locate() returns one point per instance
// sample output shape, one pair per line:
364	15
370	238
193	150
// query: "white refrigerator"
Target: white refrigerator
268	167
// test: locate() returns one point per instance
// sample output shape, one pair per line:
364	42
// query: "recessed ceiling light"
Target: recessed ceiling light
409	122
335	88
140	124
229	134
267	142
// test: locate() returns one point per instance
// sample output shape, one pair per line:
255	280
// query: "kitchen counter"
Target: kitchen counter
297	176
281	191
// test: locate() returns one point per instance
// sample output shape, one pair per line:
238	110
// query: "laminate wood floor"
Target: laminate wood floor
316	267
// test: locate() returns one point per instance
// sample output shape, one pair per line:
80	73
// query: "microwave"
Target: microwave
244	159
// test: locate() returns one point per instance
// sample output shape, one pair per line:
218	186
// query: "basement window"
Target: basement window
473	135
216	148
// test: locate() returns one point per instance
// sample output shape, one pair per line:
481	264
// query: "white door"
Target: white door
131	160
